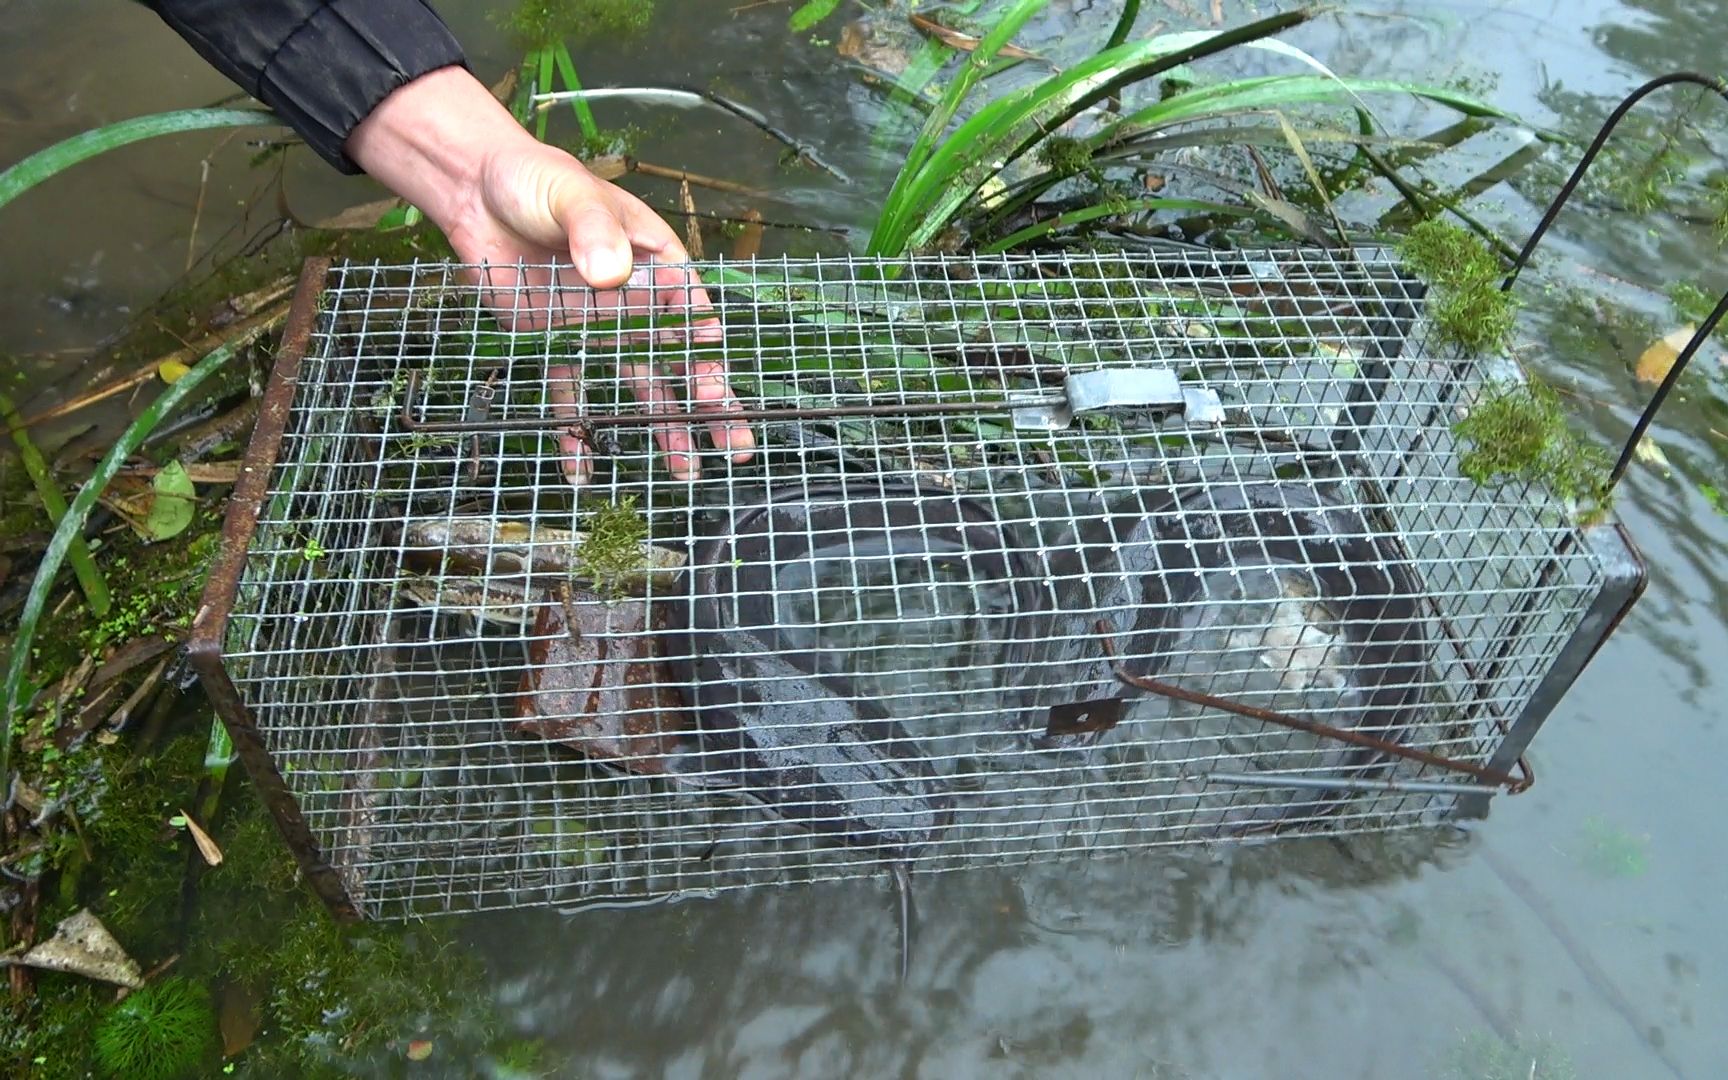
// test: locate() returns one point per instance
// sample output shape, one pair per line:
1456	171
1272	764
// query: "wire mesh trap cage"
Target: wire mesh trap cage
1034	557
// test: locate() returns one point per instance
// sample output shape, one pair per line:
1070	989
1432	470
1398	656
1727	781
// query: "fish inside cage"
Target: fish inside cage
1034	558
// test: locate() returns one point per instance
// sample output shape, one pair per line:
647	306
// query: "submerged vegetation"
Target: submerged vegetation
162	1032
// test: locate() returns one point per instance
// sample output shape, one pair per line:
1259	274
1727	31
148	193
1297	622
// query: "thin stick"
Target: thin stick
1326	731
686	176
197	213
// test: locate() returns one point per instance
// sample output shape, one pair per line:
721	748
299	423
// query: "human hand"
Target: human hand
504	198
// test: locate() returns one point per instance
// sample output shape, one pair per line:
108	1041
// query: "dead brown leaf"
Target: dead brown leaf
954	39
358	218
207	848
239	1011
1217	12
692	224
610	167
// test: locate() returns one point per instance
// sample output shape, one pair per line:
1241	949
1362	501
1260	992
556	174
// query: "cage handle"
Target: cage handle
1705	328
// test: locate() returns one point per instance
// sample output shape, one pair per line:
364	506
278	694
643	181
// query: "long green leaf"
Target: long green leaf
56	159
1277	91
83	566
970	72
1001	133
72	527
584	111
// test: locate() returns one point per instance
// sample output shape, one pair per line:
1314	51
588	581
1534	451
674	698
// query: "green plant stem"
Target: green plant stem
56	159
89	577
567	71
71	528
218	756
543	84
1125	23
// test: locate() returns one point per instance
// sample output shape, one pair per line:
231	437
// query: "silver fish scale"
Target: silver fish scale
998	505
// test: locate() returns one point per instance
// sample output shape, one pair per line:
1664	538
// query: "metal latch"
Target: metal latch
1108	388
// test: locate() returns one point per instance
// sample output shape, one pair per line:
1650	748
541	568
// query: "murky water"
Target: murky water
1298	960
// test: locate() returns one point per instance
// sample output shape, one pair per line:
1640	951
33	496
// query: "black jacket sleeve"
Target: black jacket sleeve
322	65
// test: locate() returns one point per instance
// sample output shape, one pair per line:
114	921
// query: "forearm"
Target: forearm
321	65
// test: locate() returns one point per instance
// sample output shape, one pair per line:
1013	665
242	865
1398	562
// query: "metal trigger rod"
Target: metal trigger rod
972	407
1720	87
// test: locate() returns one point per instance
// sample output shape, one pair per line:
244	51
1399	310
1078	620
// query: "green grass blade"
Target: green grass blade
83	566
72	527
1001	133
584	112
975	67
1092	213
543	65
1124	23
1278	91
56	159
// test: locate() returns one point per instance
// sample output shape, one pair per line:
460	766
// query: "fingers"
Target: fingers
563	385
673	439
709	392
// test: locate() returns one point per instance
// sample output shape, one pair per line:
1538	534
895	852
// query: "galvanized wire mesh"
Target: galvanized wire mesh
906	635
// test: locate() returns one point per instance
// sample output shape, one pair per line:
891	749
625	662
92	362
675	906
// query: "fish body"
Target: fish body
839	766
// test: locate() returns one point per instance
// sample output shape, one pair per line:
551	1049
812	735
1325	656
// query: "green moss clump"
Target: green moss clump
612	552
1066	156
538	23
1518	431
161	1032
1468	307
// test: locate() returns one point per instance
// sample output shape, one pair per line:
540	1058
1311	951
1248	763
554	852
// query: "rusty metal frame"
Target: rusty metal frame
210	624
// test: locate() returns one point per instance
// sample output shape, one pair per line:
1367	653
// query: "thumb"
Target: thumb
598	244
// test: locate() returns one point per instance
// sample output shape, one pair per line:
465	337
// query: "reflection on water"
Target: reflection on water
1361	958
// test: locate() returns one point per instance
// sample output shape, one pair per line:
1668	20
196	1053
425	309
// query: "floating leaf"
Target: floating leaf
1612	852
1655	362
171	370
419	1049
1650	453
1713	495
172	502
813	12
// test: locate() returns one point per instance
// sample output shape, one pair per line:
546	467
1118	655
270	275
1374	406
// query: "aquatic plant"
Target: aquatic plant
945	169
1468	307
161	1032
1518	431
72	526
